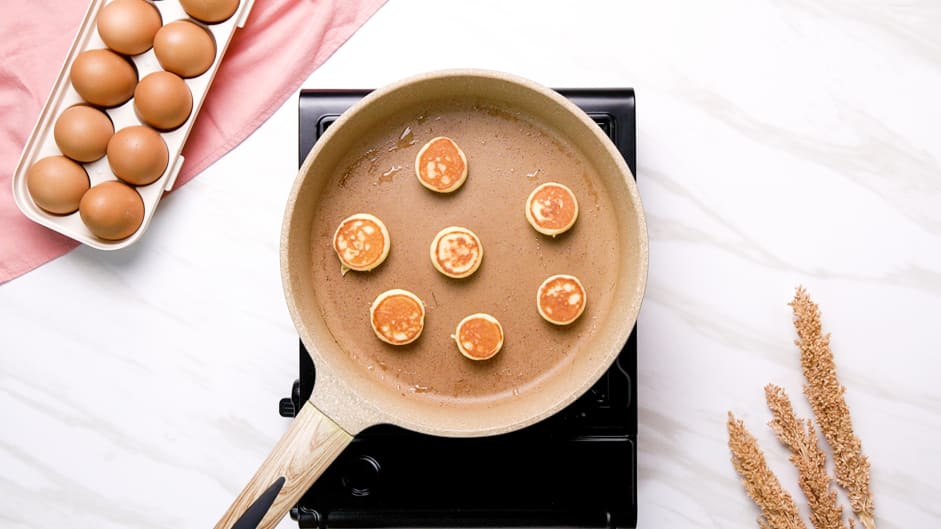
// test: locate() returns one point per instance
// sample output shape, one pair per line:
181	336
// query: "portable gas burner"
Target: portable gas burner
575	469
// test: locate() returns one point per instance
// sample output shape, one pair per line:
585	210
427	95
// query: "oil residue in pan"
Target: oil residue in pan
508	155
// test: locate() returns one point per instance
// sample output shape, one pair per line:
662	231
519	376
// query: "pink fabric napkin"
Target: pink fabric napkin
267	60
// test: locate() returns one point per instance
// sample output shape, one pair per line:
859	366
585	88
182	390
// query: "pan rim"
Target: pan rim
335	395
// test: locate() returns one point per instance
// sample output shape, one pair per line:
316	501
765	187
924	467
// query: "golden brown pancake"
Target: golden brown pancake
552	208
456	252
479	336
441	165
361	242
397	316
561	299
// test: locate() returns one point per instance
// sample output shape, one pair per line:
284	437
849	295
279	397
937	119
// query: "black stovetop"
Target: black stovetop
575	469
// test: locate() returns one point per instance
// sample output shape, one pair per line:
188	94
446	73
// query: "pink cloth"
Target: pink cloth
282	42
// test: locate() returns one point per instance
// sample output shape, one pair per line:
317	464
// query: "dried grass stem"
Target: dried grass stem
825	394
778	510
801	438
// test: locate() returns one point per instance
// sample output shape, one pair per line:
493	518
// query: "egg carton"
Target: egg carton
41	142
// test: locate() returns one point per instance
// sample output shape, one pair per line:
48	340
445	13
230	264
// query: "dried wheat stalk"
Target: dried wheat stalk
825	394
778	510
801	438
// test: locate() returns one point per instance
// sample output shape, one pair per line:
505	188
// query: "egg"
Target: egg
137	155
184	48
57	184
103	78
210	11
129	26
162	100
82	133
112	210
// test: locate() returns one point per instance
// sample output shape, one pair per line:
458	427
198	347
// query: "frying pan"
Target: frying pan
516	134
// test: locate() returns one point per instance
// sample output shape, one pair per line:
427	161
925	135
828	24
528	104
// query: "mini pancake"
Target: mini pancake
361	242
441	165
397	316
561	299
456	252
552	208
479	336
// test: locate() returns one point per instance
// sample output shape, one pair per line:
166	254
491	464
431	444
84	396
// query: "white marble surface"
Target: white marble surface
779	143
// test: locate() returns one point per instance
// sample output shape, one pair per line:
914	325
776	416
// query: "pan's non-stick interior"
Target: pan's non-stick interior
514	140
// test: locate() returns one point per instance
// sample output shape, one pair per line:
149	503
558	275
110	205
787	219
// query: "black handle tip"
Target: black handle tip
257	510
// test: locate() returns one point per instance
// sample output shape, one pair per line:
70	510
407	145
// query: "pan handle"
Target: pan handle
311	443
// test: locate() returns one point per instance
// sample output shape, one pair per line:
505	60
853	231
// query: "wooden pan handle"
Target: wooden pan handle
311	443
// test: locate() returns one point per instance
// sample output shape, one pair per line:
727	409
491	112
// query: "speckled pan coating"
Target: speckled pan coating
348	393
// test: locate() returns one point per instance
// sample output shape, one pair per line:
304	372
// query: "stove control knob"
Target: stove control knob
305	517
360	475
286	408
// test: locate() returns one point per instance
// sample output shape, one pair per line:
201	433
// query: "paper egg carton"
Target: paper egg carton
41	142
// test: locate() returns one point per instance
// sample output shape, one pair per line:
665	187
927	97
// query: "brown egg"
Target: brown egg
128	26
210	11
137	155
185	48
162	100
57	184
82	133
103	78
112	210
